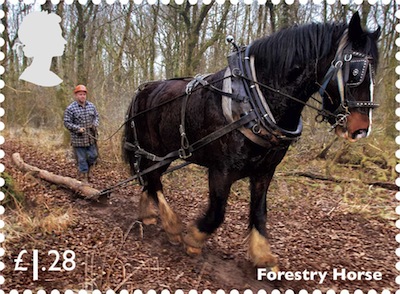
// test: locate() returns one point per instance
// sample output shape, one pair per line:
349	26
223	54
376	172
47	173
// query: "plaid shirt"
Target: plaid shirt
77	116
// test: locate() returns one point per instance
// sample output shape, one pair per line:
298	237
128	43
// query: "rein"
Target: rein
129	119
243	72
320	111
348	67
190	148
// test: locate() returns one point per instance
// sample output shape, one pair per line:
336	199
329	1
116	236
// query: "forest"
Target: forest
112	49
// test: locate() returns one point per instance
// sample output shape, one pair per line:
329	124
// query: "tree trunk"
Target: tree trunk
80	41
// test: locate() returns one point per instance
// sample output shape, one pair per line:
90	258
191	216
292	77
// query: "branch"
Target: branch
385	185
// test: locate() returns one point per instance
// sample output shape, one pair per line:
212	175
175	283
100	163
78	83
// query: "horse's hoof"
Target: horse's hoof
260	251
194	237
268	260
271	261
174	239
192	251
149	221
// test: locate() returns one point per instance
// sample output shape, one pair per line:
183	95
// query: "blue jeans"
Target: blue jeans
86	157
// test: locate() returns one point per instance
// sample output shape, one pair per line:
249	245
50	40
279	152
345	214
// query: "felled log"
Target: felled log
81	188
385	185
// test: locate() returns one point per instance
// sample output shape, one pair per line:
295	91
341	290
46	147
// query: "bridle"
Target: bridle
349	68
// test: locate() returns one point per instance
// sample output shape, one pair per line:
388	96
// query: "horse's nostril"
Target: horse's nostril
362	133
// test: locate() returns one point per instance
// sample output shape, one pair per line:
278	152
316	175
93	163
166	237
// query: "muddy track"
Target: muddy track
114	251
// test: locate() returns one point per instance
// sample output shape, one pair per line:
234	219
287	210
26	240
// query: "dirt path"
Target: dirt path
309	230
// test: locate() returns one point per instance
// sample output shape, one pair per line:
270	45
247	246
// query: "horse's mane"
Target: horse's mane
290	48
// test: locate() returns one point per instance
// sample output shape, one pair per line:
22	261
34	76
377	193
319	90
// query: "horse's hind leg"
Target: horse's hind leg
170	221
147	211
259	249
219	187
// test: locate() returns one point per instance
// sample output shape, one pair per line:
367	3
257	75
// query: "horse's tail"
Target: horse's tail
129	139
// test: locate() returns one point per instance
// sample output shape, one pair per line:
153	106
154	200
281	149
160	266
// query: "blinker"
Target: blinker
357	72
349	69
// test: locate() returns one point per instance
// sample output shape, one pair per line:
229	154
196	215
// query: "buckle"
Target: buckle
184	153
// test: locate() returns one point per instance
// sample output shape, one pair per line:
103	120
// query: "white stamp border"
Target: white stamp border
206	2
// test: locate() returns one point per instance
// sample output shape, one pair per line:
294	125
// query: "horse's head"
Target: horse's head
347	88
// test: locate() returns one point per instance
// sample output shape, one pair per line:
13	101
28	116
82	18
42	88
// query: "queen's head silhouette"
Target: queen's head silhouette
42	38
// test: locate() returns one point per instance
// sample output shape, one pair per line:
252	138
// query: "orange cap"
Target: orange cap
80	88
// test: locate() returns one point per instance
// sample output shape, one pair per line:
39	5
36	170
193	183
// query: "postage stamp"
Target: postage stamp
199	146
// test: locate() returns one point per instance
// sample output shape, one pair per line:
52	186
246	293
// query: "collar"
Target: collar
82	105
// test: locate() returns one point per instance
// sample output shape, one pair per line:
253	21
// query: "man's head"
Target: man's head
80	92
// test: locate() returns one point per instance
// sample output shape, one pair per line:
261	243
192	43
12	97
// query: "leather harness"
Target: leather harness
246	109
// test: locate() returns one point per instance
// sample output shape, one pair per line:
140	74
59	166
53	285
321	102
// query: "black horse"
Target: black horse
240	121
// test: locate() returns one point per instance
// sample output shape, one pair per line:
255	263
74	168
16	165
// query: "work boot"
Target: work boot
89	173
83	177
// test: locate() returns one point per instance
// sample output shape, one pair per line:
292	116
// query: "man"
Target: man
82	119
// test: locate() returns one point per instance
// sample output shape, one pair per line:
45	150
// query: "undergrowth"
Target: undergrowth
26	216
22	222
13	196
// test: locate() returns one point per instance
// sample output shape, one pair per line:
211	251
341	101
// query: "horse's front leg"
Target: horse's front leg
219	187
259	248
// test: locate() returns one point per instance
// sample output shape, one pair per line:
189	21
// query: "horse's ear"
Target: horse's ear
375	35
355	29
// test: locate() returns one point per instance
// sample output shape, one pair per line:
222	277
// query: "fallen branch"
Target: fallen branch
78	187
385	185
316	177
